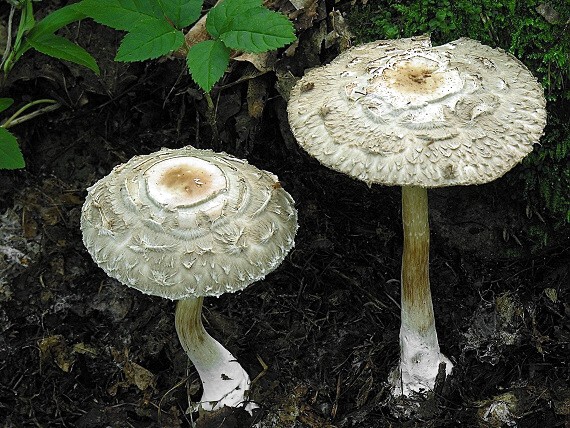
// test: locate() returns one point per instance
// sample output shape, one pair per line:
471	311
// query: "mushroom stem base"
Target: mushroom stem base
224	381
420	360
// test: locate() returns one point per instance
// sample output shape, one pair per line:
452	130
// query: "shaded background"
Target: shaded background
319	335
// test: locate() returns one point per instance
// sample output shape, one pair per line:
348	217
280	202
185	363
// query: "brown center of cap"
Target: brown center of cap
184	181
416	78
193	183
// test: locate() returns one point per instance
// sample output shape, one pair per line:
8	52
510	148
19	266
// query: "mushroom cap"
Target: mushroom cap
187	223
402	112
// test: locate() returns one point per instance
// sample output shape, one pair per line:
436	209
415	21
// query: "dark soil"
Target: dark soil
320	334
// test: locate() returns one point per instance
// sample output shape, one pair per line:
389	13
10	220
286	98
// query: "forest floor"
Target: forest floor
319	335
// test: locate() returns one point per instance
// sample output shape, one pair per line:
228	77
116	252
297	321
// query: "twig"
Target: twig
8	37
15	119
264	366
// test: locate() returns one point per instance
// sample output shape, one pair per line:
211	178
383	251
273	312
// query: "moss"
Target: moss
546	172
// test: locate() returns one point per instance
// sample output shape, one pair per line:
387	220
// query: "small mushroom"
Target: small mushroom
188	223
401	112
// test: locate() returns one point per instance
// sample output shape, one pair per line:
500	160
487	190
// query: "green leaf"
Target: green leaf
122	14
148	42
25	47
238	7
207	62
181	13
5	103
10	154
56	20
258	30
61	48
27	22
220	16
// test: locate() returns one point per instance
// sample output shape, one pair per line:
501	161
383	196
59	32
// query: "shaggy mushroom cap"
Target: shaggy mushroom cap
188	223
402	112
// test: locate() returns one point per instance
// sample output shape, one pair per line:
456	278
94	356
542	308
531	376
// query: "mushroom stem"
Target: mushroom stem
420	356
224	381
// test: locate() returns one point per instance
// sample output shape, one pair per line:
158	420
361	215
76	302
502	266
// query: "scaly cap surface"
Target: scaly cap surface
187	223
401	112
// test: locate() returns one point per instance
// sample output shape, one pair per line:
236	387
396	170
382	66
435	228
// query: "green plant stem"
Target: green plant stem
211	116
16	119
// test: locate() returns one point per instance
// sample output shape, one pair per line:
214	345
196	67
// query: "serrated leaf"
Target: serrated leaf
181	13
56	20
148	42
61	48
10	154
5	103
237	7
258	30
220	16
207	62
122	14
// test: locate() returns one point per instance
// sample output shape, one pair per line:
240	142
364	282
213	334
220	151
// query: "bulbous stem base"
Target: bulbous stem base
420	359
224	381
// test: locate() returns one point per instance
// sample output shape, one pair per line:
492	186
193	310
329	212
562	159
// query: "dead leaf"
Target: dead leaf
264	62
256	96
29	225
301	4
82	348
54	348
549	13
340	33
135	374
50	215
301	12
138	376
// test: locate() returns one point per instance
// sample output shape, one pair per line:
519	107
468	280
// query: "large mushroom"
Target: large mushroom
403	112
188	223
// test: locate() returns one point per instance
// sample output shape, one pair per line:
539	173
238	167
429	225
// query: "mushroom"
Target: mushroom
188	223
403	112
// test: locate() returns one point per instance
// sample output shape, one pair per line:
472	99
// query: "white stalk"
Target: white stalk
420	356
224	381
